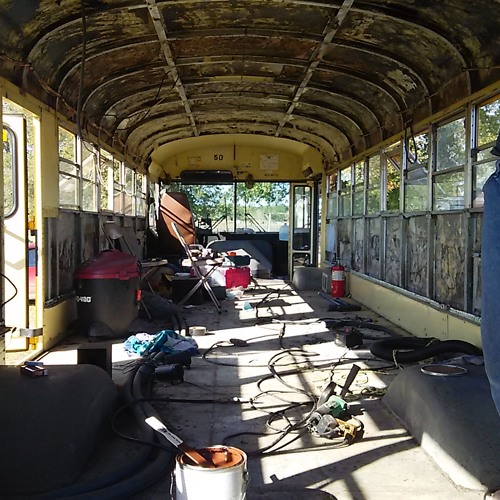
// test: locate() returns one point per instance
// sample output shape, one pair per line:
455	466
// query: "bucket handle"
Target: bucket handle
246	480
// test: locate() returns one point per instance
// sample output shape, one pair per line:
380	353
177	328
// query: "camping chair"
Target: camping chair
198	264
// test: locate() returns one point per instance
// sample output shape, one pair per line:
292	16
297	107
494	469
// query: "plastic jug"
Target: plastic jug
283	232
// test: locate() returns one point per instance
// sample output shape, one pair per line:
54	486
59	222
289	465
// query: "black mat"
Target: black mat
50	425
454	419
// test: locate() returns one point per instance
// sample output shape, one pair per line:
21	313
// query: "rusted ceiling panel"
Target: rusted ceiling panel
343	123
340	76
275	15
235	68
418	50
112	36
392	72
270	45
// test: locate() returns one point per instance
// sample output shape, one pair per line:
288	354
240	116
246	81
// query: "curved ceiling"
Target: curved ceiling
338	76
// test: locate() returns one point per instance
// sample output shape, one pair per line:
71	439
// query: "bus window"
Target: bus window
9	172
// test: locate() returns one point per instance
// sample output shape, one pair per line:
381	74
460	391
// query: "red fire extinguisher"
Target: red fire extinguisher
338	280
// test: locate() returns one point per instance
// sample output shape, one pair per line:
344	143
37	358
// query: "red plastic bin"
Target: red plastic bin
238	276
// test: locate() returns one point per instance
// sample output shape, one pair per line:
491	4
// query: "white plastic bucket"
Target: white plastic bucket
229	477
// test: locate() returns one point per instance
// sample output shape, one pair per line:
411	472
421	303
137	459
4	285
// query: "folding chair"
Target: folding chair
196	263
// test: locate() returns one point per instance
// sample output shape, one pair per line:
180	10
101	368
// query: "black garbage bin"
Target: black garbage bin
107	294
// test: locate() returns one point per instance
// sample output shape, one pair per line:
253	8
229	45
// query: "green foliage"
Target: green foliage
261	207
451	145
489	123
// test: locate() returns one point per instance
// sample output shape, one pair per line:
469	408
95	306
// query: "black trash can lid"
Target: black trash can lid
109	264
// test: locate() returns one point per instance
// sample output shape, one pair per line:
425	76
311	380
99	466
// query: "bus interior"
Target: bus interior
259	182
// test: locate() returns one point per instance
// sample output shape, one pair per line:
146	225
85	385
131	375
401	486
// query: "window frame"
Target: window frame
410	167
345	192
441	173
359	187
374	188
74	177
91	180
11	139
386	159
105	183
478	150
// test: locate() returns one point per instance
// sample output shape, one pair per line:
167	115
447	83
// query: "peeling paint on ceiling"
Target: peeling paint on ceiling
339	76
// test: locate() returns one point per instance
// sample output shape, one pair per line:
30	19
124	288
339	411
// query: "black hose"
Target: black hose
154	462
182	324
414	349
146	468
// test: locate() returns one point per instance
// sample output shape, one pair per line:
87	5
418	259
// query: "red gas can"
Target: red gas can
338	280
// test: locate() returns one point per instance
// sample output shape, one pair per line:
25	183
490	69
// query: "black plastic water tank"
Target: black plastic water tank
107	293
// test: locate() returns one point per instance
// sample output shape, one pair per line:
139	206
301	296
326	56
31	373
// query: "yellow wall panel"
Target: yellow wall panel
416	317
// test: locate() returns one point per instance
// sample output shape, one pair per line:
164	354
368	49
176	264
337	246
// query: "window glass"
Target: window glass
488	123
332	205
117	187
481	173
89	175
393	178
67	145
105	167
448	188
68	167
359	189
488	127
69	170
9	172
345	191
416	176
301	237
373	190
450	145
449	191
68	191
128	197
140	194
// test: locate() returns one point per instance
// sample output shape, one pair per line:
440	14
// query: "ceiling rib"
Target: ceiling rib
331	28
134	112
161	31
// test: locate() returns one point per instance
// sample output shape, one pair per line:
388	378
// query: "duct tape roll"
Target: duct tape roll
197	331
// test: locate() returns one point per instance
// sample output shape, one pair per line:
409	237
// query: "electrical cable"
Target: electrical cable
291	427
15	290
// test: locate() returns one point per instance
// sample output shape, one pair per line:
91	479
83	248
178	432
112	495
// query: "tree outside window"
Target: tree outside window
416	174
345	191
488	127
373	185
358	196
448	181
392	157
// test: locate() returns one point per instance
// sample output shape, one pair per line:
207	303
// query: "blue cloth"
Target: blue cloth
490	277
165	340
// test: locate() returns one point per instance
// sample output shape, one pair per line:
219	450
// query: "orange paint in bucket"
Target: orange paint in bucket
229	476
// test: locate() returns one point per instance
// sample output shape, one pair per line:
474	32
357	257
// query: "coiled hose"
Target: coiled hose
414	349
